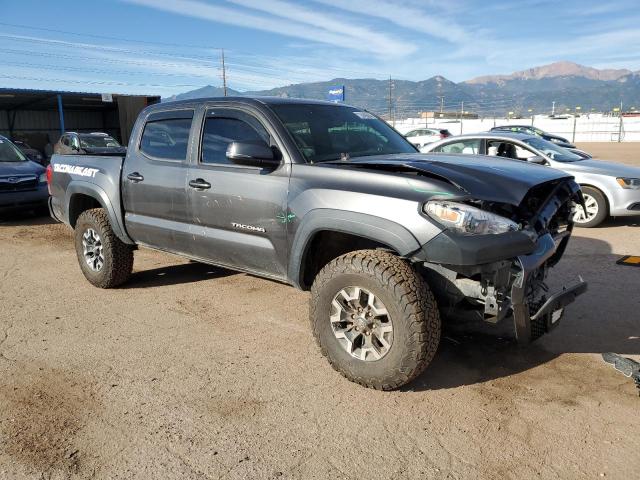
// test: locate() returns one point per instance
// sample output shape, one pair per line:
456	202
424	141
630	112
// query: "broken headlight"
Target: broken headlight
466	219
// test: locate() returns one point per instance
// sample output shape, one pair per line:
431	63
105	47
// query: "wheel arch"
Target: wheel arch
340	232
82	196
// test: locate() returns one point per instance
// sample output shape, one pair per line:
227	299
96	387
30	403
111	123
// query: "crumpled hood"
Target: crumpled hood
20	168
601	167
482	177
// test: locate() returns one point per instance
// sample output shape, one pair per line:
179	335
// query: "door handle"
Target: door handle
135	177
199	184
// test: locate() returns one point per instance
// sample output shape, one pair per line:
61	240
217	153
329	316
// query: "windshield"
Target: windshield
333	132
10	153
97	141
553	151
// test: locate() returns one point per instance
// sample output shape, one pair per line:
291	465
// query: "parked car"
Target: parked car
608	188
97	143
23	183
580	153
31	153
531	130
423	136
328	198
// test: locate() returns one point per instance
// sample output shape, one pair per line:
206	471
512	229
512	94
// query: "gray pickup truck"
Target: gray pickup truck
329	198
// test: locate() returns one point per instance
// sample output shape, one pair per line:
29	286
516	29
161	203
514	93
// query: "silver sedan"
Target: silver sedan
609	189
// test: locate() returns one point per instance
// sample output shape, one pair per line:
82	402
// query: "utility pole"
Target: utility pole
461	115
389	99
224	75
441	103
620	124
553	108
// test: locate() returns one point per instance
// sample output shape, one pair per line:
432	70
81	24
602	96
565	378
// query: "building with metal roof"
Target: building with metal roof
39	117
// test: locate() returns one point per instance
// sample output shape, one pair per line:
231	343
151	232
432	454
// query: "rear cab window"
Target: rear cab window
166	135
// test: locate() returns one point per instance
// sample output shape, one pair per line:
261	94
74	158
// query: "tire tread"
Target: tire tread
414	297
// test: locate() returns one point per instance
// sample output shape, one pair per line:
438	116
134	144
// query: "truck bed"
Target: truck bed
97	176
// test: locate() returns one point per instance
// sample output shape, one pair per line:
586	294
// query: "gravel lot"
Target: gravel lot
190	371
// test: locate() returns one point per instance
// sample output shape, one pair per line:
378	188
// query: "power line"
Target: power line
96	82
105	37
107	72
101	60
92	46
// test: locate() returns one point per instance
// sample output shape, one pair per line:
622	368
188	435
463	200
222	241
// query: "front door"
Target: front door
239	213
154	182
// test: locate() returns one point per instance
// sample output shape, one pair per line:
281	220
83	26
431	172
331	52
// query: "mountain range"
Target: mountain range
558	86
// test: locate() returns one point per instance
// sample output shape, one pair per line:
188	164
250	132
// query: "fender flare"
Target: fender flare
97	193
364	225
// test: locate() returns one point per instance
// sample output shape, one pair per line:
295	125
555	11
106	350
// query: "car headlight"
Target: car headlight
43	178
466	219
629	183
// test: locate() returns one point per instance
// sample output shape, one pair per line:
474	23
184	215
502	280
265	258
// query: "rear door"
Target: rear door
240	216
154	181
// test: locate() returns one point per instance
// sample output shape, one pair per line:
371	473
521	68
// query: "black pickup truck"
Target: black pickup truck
329	198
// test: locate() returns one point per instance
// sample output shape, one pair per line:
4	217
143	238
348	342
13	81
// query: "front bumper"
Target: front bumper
25	200
529	325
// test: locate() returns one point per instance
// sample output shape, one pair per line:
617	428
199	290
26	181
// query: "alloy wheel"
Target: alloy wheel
361	324
92	249
584	215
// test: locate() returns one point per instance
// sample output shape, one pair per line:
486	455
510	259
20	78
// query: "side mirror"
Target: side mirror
537	159
257	154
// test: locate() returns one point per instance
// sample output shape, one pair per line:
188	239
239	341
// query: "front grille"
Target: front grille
18	183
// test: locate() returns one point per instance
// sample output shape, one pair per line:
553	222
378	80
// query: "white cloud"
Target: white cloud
347	35
407	16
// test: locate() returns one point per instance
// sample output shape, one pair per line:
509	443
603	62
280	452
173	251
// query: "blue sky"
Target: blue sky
168	47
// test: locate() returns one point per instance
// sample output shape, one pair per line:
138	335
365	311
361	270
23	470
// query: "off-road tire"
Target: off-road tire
411	306
118	256
603	208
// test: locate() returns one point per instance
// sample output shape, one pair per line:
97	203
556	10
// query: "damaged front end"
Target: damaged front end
503	275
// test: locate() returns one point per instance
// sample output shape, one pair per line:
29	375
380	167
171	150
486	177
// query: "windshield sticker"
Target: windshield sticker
364	115
75	170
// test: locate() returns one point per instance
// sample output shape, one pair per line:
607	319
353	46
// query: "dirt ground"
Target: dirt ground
628	152
190	371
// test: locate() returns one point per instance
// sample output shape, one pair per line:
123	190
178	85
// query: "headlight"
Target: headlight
43	178
556	140
629	183
468	220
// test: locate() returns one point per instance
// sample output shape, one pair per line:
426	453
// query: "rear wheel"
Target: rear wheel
596	208
374	318
104	259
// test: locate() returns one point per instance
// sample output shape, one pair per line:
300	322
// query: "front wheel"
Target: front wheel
374	318
596	209
105	260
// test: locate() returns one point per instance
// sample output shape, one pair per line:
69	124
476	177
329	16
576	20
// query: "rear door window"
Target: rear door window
465	147
166	135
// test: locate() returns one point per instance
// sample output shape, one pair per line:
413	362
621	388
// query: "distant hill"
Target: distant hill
565	83
203	92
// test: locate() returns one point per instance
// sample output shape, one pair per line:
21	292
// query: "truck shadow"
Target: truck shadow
605	319
175	274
